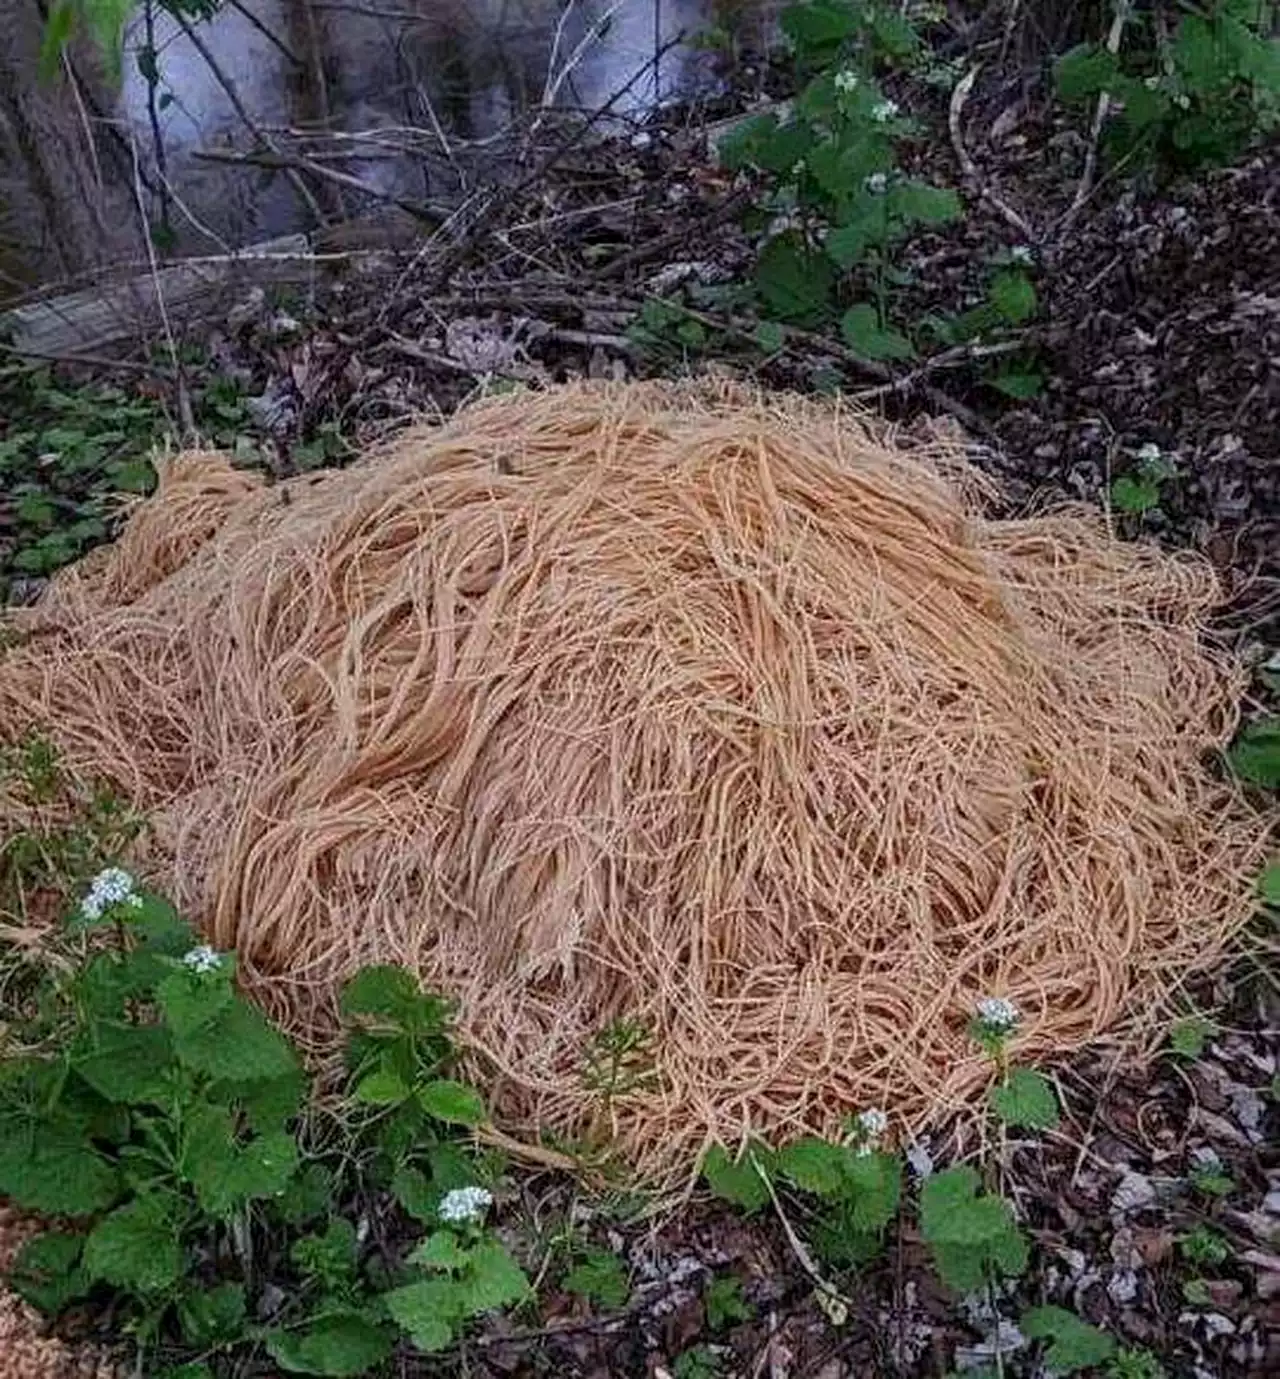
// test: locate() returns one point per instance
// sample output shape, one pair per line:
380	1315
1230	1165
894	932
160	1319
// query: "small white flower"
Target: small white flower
1182	101
1151	83
997	1014
1021	253
876	183
872	1124
464	1204
202	959
1149	453
884	111
920	1160
846	81
114	886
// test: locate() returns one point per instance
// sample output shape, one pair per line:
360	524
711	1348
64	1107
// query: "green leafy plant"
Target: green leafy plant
1072	1344
1188	1036
698	1362
154	1113
157	1107
859	1189
972	1234
619	1064
1203	1248
1026	1098
601	1277
1134	1364
1209	1178
1255	754
1188	98
1140	491
835	203
724	1303
740	1181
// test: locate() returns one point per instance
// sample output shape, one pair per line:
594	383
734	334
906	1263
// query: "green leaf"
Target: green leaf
342	1343
972	1235
226	1176
770	337
846	244
737	1181
1019	386
237	1046
441	1251
128	1063
794	283
1074	1344
873	1187
818	24
392	995
1026	1099
1269	883
814	1165
57	34
1188	1037
493	1279
741	145
1013	296
329	1258
1136	493
429	1310
159	927
1085	71
135	1247
213	1316
1255	754
924	204
306	1197
49	1173
269	1103
381	1088
453	1102
47	1271
191	1001
724	1304
864	335
416	1193
600	1277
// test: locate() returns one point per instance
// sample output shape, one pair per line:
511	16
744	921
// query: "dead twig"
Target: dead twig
969	169
1085	185
242	114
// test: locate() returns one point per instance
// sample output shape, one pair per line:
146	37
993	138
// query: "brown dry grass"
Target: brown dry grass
714	712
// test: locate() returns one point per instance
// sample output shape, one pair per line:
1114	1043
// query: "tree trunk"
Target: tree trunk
63	210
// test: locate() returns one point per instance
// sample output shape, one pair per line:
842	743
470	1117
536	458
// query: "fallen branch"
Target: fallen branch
1085	185
968	168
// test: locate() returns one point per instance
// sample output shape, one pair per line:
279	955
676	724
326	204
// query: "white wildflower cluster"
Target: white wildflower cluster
876	183
1149	453
868	1128
464	1205
1022	253
111	887
883	111
202	959
846	81
997	1014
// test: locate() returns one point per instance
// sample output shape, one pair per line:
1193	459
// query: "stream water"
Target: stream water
467	66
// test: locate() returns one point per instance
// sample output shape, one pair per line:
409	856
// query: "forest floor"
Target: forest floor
1159	326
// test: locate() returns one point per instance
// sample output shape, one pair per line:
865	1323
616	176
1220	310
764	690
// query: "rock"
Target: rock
1134	1193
